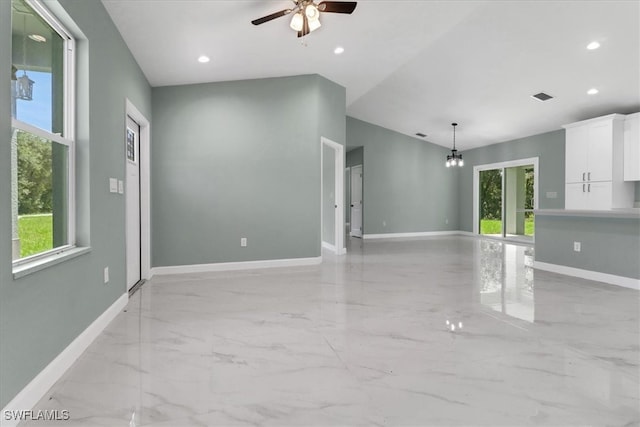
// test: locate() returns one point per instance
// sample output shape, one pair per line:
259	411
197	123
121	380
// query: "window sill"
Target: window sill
46	262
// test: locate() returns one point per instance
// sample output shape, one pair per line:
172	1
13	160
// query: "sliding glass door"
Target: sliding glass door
505	197
518	209
491	202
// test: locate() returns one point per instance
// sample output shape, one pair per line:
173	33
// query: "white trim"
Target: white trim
626	282
41	133
418	234
31	394
328	246
535	161
232	266
144	158
339	219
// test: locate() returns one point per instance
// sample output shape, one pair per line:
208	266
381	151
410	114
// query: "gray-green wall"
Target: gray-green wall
40	314
240	159
548	147
406	186
355	156
607	245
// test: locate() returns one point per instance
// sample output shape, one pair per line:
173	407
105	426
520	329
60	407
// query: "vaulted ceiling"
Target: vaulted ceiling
411	66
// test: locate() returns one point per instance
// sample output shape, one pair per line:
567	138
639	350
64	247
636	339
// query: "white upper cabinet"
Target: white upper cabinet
632	147
594	165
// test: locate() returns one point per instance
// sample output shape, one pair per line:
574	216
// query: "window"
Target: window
42	143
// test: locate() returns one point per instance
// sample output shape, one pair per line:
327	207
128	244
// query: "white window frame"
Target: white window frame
68	140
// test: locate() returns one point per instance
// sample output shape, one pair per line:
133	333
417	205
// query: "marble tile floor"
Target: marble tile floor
366	339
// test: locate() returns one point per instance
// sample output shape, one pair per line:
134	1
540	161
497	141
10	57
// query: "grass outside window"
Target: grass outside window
36	234
494	226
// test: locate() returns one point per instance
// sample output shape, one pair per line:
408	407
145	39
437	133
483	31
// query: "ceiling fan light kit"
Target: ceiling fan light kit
306	14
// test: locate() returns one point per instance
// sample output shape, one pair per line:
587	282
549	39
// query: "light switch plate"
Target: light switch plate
113	185
120	187
552	194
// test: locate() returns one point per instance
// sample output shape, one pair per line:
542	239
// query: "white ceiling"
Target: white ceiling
411	66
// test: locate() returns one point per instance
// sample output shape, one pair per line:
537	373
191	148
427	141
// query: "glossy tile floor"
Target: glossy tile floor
367	339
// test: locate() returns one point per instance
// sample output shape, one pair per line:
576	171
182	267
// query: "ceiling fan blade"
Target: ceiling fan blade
270	17
305	26
337	6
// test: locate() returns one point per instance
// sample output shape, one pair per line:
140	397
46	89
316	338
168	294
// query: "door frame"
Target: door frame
502	165
360	178
339	225
144	157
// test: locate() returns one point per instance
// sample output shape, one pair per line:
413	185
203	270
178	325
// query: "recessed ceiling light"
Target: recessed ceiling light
592	91
593	45
338	50
38	38
203	59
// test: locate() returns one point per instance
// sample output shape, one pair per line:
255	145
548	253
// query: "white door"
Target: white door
132	194
575	196
356	201
600	156
577	142
599	195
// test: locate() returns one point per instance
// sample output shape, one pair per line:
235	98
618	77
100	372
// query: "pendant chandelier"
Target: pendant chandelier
454	159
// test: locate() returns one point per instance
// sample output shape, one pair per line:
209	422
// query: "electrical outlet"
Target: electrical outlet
120	187
446	220
384	223
106	275
243	242
577	246
113	185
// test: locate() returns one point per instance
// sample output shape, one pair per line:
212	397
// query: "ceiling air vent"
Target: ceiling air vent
421	135
542	96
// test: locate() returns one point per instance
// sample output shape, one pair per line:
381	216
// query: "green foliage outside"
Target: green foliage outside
35	185
491	193
34	175
36	234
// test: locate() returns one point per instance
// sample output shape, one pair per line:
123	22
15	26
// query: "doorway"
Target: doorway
137	197
332	221
355	217
505	196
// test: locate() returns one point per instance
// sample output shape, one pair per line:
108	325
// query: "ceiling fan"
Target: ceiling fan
306	14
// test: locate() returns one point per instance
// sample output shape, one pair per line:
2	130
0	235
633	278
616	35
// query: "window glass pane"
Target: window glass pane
37	70
42	193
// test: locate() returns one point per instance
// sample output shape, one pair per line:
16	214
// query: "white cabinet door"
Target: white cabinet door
575	196
600	195
632	147
576	142
600	152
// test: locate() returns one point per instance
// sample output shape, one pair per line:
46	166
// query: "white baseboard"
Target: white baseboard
29	396
332	248
231	266
418	234
466	233
328	246
626	282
